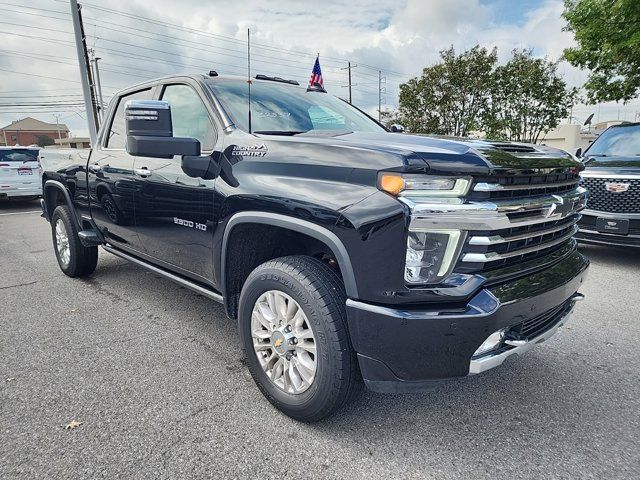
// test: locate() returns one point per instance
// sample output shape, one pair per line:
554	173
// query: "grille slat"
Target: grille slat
602	200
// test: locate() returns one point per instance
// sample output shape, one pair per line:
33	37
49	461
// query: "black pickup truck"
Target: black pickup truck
612	176
345	252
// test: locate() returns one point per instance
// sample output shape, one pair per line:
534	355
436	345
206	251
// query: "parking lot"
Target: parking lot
154	373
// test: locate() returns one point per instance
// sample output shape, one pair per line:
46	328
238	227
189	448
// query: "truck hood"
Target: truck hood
440	154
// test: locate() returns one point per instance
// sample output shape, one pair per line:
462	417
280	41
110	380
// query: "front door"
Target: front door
112	182
174	212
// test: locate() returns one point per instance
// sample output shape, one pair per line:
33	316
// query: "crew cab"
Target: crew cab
349	255
612	177
20	173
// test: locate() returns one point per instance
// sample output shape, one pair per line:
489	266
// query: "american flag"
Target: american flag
316	74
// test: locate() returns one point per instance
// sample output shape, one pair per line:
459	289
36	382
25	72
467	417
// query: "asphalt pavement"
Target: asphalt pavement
153	372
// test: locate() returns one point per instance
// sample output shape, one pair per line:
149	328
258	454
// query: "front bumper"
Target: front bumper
588	233
409	349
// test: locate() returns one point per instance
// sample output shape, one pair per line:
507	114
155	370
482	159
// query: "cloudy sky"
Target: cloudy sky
142	39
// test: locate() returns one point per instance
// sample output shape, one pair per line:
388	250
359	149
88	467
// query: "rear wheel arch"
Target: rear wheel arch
54	193
233	273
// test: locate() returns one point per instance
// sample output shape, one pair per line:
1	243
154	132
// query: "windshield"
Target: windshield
617	142
19	155
283	109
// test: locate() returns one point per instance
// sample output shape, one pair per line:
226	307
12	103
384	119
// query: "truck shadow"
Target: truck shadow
611	255
19	206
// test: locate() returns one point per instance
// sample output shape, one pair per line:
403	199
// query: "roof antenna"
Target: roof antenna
249	72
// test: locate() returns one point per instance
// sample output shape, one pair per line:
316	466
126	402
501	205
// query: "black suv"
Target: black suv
612	176
346	252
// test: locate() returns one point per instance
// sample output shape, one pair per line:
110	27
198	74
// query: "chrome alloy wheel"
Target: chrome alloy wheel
62	242
284	341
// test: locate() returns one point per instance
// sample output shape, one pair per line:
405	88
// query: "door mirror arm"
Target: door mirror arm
201	166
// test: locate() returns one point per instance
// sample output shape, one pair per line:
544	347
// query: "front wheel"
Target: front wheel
293	331
74	259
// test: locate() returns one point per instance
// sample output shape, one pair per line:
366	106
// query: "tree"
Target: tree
450	97
608	37
43	140
528	98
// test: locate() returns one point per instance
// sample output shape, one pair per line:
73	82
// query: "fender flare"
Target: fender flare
305	227
49	184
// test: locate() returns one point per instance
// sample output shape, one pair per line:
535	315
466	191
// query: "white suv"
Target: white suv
20	175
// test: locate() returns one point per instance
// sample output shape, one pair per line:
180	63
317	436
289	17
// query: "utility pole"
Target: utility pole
98	85
349	85
57	116
85	73
380	90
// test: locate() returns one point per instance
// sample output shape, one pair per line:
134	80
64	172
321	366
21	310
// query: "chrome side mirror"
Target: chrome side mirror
397	128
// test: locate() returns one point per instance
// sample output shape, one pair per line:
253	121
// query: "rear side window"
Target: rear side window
118	133
19	155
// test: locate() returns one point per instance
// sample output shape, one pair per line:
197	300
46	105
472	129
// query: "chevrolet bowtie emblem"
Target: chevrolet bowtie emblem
278	342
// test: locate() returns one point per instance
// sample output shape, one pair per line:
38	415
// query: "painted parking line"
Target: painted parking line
20	213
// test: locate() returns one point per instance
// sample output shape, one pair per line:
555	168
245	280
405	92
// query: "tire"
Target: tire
319	294
74	259
111	210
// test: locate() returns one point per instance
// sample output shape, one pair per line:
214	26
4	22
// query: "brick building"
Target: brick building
26	132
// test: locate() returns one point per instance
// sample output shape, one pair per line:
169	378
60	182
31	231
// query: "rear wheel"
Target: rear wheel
293	331
74	259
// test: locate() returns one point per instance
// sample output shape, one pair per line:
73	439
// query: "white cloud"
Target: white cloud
398	37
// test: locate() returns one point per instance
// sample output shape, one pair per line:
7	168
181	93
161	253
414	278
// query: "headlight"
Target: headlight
430	255
420	185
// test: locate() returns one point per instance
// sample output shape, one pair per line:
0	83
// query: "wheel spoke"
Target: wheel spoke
258	314
308	346
305	373
261	334
304	334
291	313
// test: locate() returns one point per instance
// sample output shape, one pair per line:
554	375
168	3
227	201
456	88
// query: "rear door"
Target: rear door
19	172
111	179
174	212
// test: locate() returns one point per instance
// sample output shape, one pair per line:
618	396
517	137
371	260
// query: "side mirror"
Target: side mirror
150	132
396	128
579	152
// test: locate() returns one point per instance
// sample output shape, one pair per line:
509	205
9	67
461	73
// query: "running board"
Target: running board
175	278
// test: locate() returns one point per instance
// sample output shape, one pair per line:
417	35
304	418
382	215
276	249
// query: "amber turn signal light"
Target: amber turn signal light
392	184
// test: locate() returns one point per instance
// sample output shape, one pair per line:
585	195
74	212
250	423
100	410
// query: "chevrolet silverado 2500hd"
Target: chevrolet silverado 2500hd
349	255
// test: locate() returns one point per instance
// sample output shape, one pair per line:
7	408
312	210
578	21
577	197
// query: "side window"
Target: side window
189	116
118	133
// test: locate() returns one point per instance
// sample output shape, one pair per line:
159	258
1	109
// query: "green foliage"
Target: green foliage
517	101
43	141
450	96
608	37
528	99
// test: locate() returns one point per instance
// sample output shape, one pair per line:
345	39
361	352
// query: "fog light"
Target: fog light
491	343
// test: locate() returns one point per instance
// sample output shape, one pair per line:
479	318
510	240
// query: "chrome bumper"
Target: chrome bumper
487	362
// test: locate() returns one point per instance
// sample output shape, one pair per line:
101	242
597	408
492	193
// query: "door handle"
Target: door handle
95	168
143	172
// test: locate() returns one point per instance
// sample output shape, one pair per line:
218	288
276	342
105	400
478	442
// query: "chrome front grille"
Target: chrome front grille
541	217
603	200
492	249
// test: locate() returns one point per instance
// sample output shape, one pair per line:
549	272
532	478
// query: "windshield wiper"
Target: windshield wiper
597	155
280	132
